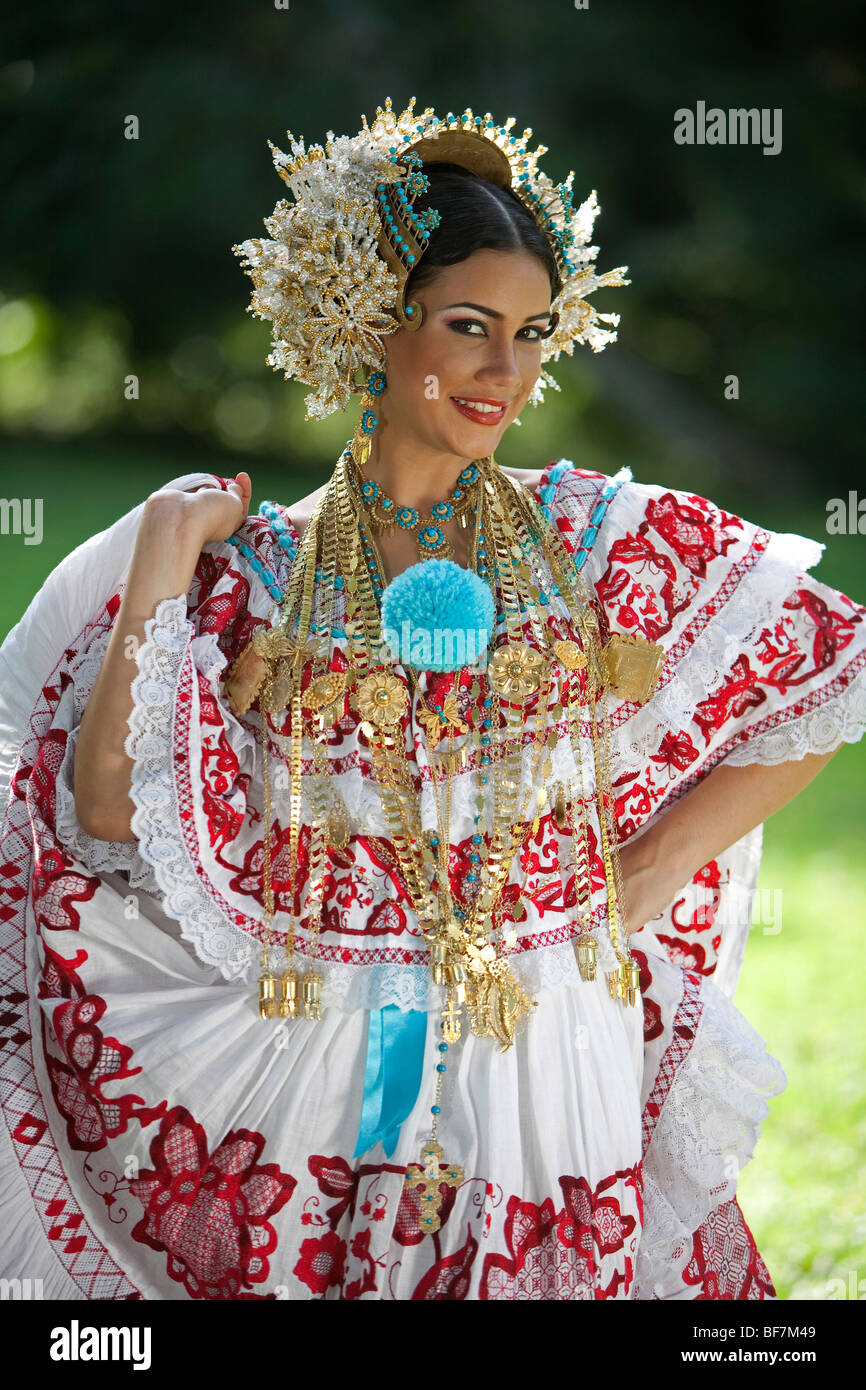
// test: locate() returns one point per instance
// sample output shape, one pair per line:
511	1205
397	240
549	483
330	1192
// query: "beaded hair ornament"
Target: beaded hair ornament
332	277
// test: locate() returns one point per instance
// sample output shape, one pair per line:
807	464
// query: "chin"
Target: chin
476	442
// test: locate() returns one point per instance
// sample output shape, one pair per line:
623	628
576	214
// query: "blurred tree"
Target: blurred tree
742	263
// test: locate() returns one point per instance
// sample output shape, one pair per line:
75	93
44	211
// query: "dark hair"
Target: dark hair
476	216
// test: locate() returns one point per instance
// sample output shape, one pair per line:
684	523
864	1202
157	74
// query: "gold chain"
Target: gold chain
516	534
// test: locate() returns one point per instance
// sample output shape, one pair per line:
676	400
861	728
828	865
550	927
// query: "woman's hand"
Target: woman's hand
648	886
208	512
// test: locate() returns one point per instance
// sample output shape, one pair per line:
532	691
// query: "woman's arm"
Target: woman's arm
174	527
729	802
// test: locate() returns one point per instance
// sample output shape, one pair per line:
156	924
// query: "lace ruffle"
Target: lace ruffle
840	720
156	822
706	1133
755	602
100	856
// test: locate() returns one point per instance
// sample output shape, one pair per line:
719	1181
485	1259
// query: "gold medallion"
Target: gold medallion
515	670
381	698
633	666
569	653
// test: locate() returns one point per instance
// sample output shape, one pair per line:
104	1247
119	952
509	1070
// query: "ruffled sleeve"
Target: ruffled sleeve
762	662
197	768
197	823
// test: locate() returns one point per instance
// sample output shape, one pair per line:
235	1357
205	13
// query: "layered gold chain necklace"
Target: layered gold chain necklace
565	678
287	669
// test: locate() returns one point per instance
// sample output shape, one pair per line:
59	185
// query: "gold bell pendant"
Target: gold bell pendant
312	987
587	954
457	980
615	982
438	957
267	995
631	981
289	1002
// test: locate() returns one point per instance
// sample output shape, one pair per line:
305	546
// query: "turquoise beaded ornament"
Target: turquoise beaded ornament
437	616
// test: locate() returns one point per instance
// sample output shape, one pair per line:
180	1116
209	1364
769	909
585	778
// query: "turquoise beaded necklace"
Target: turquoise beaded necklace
385	513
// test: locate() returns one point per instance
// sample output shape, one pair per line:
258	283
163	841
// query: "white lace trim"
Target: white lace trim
156	821
840	720
706	1133
100	856
351	987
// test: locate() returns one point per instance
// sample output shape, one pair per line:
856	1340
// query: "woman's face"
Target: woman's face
459	381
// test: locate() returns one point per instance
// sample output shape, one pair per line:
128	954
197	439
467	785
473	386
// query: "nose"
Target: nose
500	367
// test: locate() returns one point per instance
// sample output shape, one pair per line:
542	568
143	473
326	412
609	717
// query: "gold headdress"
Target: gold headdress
332	278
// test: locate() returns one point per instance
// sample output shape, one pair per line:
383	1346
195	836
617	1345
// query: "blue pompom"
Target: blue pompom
437	616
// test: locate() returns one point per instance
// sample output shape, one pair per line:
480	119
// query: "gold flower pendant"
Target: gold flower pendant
515	670
381	698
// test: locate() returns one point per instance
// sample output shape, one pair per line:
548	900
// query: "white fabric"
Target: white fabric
167	952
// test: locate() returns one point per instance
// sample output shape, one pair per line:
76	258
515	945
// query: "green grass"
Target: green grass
803	989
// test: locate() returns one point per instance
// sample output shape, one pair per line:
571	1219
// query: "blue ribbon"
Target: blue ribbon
395	1063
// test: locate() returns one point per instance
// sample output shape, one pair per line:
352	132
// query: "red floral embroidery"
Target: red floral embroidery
336	1178
42	787
361	1251
652	1014
676	752
209	1212
725	1263
218	611
449	1277
555	1254
639	586
60	979
77	1084
734	698
322	1262
696	533
56	887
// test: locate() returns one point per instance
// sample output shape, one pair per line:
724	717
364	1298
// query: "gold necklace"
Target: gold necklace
463	957
389	754
382	513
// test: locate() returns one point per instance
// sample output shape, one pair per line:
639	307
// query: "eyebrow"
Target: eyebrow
494	313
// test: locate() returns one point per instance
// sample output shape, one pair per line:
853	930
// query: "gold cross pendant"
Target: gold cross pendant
434	1175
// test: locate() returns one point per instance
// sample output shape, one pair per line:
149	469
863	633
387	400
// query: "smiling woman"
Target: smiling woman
361	978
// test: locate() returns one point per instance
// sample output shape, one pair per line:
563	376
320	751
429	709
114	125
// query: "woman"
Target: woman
338	971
